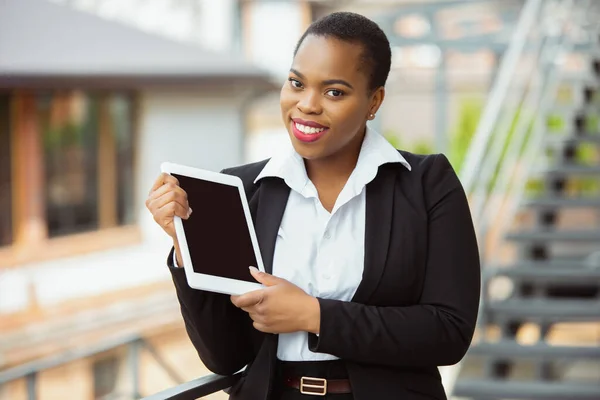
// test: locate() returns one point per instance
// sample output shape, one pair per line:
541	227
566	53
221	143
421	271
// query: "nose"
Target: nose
309	103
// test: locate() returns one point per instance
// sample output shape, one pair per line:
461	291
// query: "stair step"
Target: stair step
572	202
554	263
550	274
575	106
563	170
555	236
483	389
510	349
593	138
588	78
545	309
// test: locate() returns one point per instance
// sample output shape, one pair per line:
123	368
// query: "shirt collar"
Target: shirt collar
375	151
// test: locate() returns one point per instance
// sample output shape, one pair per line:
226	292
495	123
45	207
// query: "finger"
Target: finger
264	278
236	298
262	327
162	179
178	194
158	182
245	301
170	197
170	210
168	187
258	319
249	299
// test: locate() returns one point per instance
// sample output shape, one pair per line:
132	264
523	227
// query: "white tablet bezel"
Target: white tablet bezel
210	282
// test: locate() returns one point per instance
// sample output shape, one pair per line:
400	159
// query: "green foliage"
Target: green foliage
555	123
461	135
422	147
393	139
529	120
418	147
592	123
66	135
587	154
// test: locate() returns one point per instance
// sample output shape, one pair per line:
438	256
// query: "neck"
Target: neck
336	168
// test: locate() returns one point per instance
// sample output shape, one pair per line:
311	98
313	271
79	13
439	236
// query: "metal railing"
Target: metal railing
512	128
498	94
196	388
135	343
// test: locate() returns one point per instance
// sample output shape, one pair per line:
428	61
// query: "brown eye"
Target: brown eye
335	93
295	83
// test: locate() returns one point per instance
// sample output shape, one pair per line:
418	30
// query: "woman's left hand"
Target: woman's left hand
281	307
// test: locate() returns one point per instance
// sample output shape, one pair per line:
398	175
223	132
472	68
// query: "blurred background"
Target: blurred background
95	94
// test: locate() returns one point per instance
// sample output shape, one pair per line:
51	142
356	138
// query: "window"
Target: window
106	375
69	129
5	172
66	167
121	117
88	160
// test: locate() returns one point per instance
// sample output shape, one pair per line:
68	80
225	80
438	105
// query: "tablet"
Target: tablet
218	242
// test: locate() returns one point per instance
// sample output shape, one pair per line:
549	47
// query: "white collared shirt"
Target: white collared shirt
322	252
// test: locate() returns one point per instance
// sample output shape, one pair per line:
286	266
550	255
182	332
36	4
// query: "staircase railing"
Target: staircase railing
498	94
134	343
512	127
196	388
547	277
509	136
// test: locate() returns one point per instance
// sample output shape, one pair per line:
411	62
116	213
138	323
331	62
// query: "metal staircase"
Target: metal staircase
553	276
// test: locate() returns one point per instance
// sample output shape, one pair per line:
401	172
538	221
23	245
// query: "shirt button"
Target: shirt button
326	276
327	235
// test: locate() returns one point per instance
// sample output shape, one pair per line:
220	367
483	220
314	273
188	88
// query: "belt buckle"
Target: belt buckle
315	386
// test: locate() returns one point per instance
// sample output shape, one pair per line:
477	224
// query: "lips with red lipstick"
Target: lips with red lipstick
307	131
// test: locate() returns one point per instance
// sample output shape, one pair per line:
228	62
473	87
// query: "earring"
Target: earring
371	116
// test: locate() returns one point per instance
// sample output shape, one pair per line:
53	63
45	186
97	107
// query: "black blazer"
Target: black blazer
414	310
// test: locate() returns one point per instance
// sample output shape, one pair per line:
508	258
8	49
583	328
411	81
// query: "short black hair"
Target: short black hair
356	28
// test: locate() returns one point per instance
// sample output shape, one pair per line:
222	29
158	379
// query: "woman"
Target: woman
372	263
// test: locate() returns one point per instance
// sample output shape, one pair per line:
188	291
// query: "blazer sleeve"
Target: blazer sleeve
221	333
436	331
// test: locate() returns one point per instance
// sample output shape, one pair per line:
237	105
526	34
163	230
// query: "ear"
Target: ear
376	100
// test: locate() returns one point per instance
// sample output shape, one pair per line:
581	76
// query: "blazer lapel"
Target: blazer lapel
273	196
378	225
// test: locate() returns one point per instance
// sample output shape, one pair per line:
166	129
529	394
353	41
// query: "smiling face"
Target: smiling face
326	101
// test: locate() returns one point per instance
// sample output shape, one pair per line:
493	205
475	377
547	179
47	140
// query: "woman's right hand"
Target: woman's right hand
167	200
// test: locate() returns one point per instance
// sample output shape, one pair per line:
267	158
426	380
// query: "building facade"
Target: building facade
89	108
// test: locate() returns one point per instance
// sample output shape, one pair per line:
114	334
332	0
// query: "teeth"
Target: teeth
308	129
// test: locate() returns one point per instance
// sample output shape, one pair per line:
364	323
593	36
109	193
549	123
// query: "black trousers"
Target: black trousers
316	369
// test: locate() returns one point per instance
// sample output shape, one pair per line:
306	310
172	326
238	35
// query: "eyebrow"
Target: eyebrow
326	82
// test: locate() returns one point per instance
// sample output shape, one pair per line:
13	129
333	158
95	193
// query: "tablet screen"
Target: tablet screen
217	233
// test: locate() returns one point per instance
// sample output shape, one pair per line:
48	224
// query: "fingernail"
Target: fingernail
189	212
254	269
